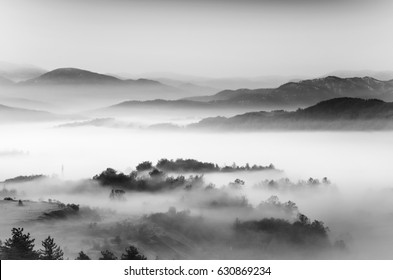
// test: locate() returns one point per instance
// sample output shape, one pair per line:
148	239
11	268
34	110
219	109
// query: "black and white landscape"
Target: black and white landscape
196	129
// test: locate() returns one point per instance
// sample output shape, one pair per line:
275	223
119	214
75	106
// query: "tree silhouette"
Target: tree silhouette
239	182
132	253
51	250
19	247
82	256
302	220
155	173
107	255
146	165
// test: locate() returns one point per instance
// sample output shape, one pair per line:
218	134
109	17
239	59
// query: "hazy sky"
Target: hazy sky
204	38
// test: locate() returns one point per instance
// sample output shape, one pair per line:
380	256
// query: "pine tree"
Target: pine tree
107	255
132	253
82	256
51	250
19	247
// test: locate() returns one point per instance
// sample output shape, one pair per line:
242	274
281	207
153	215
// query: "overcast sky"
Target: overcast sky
203	38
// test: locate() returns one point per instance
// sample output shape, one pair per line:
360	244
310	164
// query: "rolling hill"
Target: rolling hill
380	75
75	76
71	76
289	96
337	113
305	92
73	86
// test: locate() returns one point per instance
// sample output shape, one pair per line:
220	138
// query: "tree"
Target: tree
19	247
132	253
239	182
274	200
146	165
302	219
51	250
82	256
319	228
155	173
291	207
326	181
107	255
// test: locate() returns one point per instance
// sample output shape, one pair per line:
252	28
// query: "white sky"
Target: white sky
203	38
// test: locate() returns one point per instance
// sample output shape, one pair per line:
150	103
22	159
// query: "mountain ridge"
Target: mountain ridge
76	76
333	113
306	92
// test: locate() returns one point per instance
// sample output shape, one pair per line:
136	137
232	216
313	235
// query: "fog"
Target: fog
354	205
353	157
71	100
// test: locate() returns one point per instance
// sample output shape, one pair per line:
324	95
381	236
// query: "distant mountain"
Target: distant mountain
289	96
316	90
163	111
266	81
99	122
75	76
347	108
146	82
338	113
72	76
18	72
162	103
13	114
147	107
26	103
184	83
196	89
251	83
75	87
233	96
380	75
306	92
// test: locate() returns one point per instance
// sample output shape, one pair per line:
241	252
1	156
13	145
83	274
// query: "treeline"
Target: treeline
301	232
259	235
155	180
24	179
191	165
64	211
21	247
148	177
284	184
